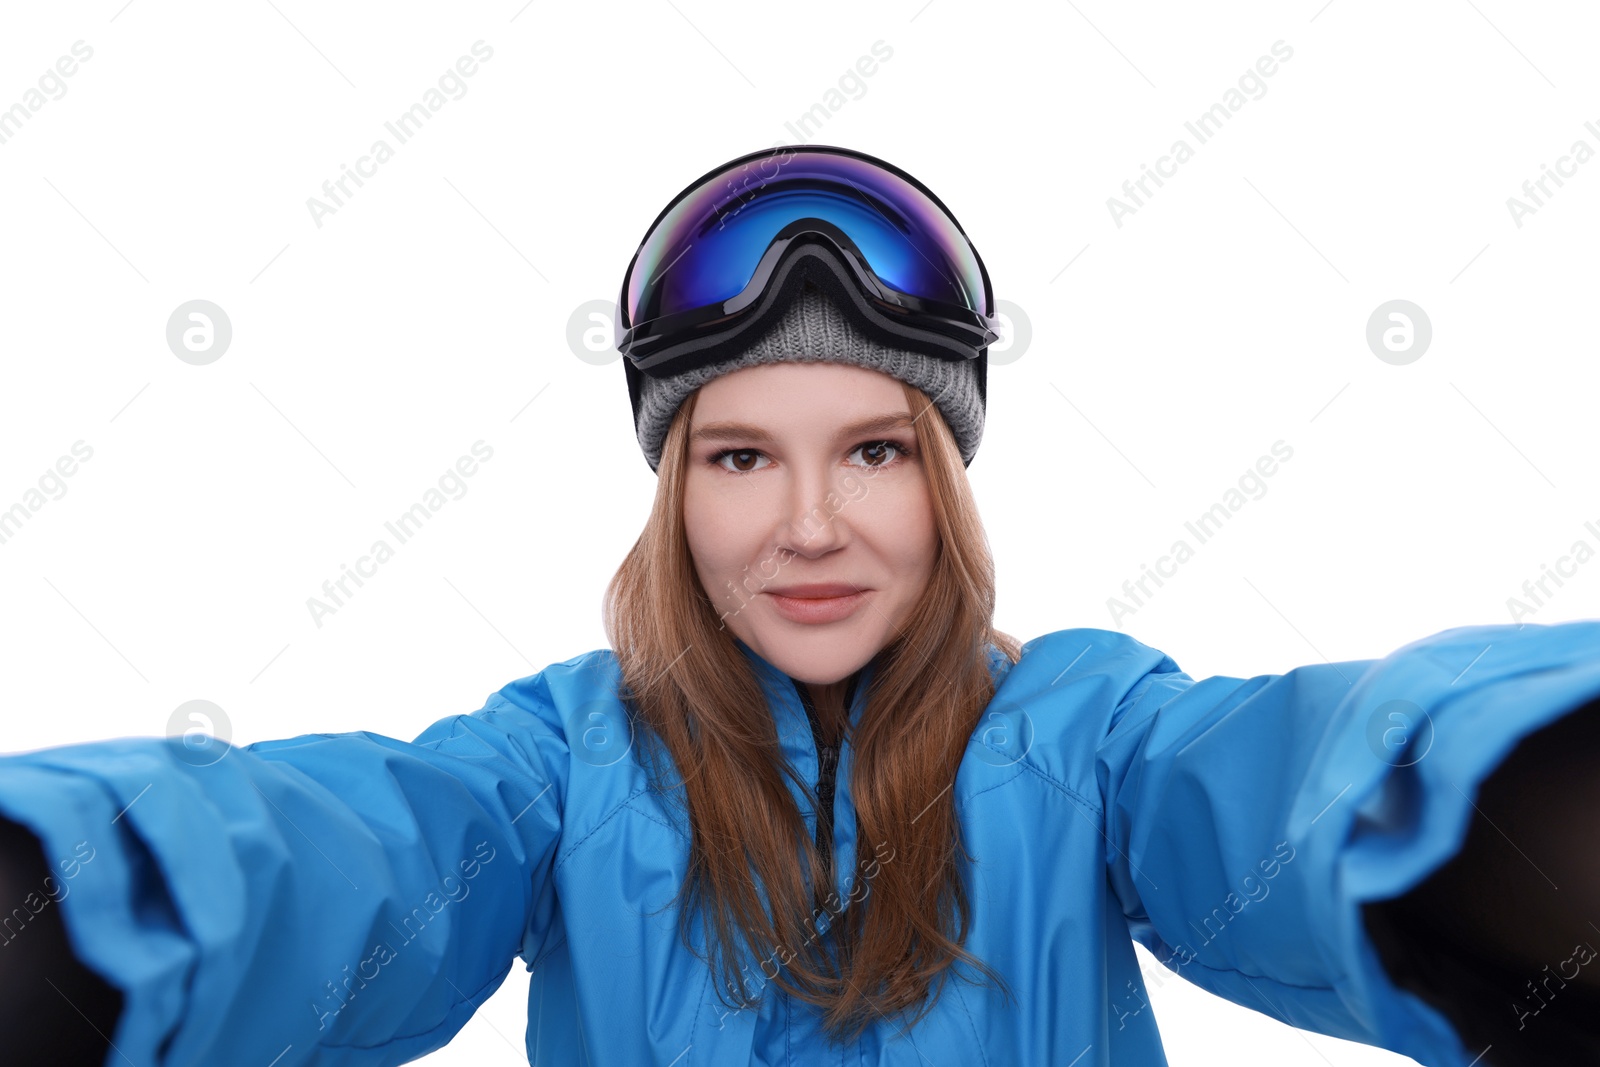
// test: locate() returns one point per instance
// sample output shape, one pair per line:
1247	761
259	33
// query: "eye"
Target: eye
740	456
876	453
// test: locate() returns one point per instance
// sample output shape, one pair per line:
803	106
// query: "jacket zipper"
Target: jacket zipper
827	766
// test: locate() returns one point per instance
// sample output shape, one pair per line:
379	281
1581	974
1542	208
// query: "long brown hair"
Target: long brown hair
691	689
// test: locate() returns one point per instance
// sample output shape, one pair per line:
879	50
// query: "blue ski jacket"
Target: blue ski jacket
350	899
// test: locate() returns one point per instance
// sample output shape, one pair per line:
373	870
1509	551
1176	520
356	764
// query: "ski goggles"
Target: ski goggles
724	257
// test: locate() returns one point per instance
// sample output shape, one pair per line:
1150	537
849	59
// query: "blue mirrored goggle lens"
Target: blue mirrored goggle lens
706	248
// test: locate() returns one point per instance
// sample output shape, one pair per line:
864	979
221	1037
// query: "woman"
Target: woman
811	806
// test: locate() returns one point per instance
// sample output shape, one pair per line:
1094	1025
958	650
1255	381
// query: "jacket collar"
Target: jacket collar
800	751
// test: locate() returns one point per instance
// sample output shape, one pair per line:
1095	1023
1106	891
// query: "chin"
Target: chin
816	658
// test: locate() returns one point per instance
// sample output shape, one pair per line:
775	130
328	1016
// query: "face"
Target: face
808	512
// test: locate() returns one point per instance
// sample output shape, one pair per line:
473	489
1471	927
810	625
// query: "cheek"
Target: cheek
906	533
926	539
717	530
699	524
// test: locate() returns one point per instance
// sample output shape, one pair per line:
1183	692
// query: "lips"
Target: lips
818	590
819	602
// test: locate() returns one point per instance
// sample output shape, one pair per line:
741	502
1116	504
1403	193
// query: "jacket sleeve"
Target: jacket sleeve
1248	820
326	899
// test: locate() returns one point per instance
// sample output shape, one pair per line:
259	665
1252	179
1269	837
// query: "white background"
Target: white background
432	309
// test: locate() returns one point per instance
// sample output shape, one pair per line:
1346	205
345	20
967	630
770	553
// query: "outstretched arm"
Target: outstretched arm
1264	832
329	899
1502	938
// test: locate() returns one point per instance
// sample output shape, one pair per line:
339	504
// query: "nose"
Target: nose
813	523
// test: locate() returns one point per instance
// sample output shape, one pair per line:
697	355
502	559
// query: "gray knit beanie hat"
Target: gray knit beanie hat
814	330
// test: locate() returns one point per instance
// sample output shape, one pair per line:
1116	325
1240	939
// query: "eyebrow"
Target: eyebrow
741	431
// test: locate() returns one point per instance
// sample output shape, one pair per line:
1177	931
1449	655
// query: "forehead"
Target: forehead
798	393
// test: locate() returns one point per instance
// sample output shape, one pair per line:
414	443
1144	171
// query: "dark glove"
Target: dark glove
53	1009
